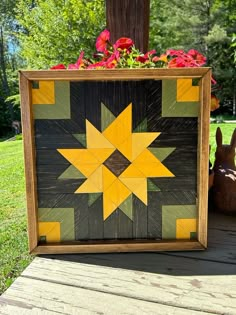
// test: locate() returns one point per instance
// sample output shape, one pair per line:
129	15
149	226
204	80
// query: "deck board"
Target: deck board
132	283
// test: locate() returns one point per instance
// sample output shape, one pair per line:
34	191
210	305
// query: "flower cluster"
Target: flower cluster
123	54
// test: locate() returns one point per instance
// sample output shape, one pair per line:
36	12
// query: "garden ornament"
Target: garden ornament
224	185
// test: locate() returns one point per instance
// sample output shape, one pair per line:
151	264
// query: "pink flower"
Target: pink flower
102	40
197	56
123	43
79	63
162	57
100	64
174	52
112	60
151	52
58	67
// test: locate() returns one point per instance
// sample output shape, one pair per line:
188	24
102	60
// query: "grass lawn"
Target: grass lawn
227	131
14	255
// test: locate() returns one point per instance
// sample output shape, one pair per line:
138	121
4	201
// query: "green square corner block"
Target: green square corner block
172	108
63	215
61	108
171	213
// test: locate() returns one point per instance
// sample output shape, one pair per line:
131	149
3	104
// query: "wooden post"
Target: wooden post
129	18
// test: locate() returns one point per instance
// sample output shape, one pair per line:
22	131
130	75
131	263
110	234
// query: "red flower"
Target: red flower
174	52
79	63
58	67
176	63
102	40
100	64
151	52
123	43
162	57
199	58
142	59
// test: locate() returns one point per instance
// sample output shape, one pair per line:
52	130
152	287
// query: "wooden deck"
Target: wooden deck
138	283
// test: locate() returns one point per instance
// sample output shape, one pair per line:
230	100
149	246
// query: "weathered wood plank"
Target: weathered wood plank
173	281
221	241
32	296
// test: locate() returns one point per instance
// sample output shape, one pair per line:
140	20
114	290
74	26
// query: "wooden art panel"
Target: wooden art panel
117	161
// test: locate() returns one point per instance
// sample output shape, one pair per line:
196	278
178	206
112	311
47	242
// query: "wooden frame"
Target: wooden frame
26	78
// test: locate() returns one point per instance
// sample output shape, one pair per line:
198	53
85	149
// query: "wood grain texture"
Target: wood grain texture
129	18
114	74
119	246
54	298
203	157
29	155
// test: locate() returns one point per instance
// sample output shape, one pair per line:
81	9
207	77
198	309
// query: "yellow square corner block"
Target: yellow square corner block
186	92
51	230
45	94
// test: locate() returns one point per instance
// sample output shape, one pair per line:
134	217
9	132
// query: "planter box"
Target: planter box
116	160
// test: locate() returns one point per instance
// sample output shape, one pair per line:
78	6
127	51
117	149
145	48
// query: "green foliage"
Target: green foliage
56	31
205	25
14	255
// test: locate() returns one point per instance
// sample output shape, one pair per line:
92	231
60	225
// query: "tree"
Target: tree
206	25
55	31
8	65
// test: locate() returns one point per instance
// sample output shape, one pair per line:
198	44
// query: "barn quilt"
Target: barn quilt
116	159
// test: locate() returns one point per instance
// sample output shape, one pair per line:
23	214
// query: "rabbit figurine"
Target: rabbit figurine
224	184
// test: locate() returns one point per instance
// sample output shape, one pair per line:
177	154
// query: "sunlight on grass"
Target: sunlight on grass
14	255
227	131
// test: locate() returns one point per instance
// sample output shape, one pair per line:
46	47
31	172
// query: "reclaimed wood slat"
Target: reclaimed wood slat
114	74
190	289
32	296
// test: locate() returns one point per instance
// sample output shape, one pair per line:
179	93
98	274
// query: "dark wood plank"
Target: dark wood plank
128	18
95	216
140	215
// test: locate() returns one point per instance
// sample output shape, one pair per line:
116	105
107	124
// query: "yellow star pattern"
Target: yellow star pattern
100	145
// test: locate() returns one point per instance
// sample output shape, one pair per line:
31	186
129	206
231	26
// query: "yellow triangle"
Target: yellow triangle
87	187
87	169
77	156
140	141
132	171
126	148
120	129
108	206
101	154
95	138
96	178
117	192
150	166
138	186
108	177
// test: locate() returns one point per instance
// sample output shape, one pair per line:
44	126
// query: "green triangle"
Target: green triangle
81	137
161	153
151	186
127	207
71	173
106	117
92	198
142	127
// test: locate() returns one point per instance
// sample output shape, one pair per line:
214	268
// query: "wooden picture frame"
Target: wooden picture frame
150	79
